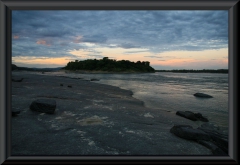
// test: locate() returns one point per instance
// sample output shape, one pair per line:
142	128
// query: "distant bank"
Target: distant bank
15	67
195	71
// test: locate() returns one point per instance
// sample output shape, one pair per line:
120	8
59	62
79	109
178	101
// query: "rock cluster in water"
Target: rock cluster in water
206	135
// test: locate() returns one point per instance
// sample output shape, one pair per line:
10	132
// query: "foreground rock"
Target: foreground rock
214	148
192	116
203	135
218	138
17	80
15	113
202	95
44	106
189	133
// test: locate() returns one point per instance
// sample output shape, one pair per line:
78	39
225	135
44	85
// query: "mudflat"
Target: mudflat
91	119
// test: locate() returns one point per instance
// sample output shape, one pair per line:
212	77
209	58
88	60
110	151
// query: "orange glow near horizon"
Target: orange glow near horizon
60	61
188	59
193	58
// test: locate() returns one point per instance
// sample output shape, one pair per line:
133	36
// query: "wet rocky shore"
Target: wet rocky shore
92	119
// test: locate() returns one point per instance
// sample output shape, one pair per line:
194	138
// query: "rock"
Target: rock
202	95
69	86
200	117
94	79
189	133
61	84
44	105
75	78
15	113
187	114
204	135
192	116
215	149
218	138
210	126
17	80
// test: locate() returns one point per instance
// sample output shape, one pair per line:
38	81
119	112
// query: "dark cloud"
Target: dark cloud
153	56
56	33
128	46
94	39
135	51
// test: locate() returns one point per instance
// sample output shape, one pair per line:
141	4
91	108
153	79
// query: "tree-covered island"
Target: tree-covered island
110	65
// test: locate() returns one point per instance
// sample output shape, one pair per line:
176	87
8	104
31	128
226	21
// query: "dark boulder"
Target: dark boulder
192	116
14	67
204	135
69	86
215	149
44	106
17	80
200	117
94	79
218	138
202	95
189	133
187	114
15	112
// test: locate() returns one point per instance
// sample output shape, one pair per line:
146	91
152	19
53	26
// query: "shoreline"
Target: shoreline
101	72
91	119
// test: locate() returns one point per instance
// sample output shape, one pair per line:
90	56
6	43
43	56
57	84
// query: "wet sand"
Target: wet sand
91	119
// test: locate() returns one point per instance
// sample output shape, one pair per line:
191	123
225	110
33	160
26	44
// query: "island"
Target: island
110	65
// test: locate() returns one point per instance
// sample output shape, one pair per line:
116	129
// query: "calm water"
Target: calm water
174	91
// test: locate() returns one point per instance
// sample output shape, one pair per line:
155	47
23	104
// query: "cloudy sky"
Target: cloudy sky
167	39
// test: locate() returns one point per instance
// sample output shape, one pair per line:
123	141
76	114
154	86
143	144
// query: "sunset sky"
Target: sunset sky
167	39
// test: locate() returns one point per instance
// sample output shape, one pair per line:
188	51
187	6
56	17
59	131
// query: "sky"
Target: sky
187	39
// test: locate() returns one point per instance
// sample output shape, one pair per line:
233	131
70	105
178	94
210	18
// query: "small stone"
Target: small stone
15	113
44	105
69	86
94	79
61	84
202	95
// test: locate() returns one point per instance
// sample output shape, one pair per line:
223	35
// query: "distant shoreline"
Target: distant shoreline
16	68
195	71
101	72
